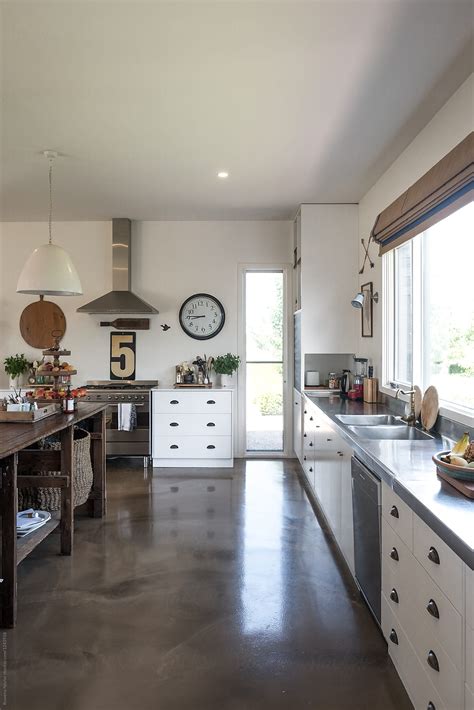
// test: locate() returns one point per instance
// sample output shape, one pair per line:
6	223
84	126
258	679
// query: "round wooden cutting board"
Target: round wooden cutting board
39	320
418	399
429	408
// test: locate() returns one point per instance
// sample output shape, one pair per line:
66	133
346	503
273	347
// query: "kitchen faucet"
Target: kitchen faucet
410	418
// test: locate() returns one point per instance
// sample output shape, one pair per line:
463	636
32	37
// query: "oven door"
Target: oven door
129	443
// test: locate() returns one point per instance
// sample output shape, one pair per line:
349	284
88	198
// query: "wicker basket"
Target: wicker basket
50	498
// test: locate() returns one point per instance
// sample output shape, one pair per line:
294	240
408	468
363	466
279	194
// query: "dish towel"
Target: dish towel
127	417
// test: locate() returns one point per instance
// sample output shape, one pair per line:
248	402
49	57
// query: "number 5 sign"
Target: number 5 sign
122	356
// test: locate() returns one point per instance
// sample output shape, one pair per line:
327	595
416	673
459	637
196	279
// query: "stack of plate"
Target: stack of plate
30	520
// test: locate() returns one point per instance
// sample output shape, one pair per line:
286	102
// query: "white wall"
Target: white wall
171	260
448	127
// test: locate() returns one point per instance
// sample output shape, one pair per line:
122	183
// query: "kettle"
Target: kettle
345	382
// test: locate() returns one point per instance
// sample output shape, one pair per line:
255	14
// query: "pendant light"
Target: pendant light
49	270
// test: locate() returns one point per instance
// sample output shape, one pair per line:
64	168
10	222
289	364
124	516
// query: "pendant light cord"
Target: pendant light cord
50	199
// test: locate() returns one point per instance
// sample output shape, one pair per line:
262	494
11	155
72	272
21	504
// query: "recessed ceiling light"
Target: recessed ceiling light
223	174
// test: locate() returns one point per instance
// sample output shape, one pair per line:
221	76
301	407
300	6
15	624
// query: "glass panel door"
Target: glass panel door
264	360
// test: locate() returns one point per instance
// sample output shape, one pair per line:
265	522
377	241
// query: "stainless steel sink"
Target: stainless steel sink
389	432
370	419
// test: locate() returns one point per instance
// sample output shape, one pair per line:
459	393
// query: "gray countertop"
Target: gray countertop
408	468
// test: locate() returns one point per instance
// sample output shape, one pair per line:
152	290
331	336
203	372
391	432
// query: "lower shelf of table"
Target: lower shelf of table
25	545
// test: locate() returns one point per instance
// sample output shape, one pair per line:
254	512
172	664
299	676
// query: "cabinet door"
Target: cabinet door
346	541
308	445
297	426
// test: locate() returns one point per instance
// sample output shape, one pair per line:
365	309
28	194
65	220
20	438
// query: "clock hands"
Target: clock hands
194	317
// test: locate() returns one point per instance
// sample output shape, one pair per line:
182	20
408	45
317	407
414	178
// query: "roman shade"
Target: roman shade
445	188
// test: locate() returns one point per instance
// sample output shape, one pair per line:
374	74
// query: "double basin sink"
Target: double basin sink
381	426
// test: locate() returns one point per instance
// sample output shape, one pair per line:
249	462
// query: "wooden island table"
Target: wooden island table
15	440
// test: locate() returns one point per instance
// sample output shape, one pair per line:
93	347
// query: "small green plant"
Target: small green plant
16	365
226	364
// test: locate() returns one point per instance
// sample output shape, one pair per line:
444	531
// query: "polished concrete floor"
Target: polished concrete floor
210	590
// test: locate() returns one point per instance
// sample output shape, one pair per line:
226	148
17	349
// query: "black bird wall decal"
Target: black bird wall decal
166	327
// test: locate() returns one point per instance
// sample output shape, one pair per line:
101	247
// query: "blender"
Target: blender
360	366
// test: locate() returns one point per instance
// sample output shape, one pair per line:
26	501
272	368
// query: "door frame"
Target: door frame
287	271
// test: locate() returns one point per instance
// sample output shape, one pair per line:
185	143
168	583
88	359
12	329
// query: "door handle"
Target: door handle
432	608
210	401
174	401
310	443
211	446
393	637
210	424
433	555
174	446
174	424
394	511
311	470
394	554
433	661
394	596
430	706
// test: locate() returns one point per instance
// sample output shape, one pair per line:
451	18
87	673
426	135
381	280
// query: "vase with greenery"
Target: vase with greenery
224	367
16	366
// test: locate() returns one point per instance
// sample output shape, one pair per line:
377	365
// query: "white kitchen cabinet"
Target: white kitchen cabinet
192	428
297	425
329	250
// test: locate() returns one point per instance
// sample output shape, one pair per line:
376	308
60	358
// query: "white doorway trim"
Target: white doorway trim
241	438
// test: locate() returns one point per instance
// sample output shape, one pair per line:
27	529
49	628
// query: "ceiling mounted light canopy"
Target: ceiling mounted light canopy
49	270
223	174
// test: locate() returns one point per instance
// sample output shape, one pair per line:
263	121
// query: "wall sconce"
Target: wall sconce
359	298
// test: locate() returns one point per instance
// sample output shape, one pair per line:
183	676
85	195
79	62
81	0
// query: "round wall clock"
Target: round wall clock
202	316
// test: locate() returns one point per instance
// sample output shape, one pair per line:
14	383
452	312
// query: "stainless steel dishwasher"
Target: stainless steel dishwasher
366	509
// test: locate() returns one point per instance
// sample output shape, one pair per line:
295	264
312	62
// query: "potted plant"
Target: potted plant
224	367
15	366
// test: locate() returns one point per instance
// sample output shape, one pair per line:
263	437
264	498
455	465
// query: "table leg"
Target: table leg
67	507
9	509
97	499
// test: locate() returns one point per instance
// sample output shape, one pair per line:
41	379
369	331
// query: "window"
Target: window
429	318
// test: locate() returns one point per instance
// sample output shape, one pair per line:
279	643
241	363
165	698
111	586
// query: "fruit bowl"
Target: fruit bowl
462	473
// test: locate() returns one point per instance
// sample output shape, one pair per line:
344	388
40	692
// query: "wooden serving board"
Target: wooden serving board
464	487
38	322
35	415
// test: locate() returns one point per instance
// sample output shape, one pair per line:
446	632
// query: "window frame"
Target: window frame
451	410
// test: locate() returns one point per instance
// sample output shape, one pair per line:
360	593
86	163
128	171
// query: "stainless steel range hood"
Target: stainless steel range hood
121	299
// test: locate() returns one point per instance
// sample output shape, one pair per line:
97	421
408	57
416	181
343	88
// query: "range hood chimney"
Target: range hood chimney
121	299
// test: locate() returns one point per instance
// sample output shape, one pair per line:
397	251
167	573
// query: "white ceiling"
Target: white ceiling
299	101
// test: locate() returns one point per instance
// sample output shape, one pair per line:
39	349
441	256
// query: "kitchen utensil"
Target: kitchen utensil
39	321
429	408
128	323
345	382
312	378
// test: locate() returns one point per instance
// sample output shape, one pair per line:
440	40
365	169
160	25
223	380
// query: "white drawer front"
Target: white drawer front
308	468
397	561
409	668
441	563
398	515
469	596
192	447
448	680
212	424
201	402
470	657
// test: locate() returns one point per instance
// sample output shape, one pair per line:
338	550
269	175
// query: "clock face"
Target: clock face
202	316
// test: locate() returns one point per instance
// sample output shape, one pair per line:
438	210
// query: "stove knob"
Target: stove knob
99	396
109	396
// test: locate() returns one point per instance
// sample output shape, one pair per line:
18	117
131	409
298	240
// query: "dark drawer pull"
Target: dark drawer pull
430	706
174	401
393	637
174	424
211	446
318	426
311	470
174	446
433	661
210	424
394	554
394	596
394	511
210	401
432	608
304	458
310	443
328	439
305	412
311	419
305	434
433	555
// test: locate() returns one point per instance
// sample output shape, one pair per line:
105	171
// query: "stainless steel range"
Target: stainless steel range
135	442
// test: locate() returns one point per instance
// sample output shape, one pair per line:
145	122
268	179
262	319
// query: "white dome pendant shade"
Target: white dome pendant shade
49	270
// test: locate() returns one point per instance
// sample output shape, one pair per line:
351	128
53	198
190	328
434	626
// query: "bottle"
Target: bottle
68	401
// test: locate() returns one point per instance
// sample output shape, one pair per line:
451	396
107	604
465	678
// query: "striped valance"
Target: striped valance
445	188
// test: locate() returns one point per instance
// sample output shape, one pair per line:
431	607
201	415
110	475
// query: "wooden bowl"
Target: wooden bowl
462	473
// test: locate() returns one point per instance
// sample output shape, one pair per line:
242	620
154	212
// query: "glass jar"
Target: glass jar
332	381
